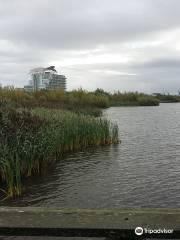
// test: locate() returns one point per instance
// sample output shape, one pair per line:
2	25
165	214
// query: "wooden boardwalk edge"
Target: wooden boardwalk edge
40	221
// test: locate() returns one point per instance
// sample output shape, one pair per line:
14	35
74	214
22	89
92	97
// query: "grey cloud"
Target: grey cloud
44	32
77	23
165	63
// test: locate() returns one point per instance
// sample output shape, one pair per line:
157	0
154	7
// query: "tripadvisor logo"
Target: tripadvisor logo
139	231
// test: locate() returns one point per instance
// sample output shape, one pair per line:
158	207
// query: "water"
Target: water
142	171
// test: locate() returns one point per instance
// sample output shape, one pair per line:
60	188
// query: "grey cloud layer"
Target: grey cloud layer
77	23
41	32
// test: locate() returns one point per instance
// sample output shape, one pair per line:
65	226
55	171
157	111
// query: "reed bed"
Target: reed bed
30	141
79	101
133	99
77	131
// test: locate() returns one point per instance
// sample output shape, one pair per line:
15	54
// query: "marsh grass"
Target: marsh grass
133	99
30	141
79	101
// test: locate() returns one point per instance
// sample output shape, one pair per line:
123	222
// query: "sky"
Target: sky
131	45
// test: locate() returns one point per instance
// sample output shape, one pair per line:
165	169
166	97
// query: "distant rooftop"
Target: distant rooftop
41	69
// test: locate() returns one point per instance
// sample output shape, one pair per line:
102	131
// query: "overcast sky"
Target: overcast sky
111	44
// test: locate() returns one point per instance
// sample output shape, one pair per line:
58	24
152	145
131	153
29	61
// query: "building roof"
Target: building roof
41	69
51	68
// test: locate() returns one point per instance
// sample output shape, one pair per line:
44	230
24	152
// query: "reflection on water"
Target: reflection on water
142	171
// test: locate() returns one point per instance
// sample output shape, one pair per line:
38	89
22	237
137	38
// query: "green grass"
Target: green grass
168	98
79	101
78	131
30	141
133	99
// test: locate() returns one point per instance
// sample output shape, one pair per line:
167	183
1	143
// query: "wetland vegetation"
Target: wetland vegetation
37	128
33	135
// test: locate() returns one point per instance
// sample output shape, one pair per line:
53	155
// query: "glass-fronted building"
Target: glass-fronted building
46	78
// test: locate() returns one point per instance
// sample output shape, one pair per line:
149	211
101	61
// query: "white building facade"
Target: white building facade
47	79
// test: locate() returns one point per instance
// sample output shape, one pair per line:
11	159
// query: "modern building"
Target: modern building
46	78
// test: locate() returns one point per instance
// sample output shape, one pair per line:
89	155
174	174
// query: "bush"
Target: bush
148	101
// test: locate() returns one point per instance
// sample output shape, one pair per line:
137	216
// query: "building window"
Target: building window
46	75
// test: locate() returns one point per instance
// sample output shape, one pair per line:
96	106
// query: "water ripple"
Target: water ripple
142	171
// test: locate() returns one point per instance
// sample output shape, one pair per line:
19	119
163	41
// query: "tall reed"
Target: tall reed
29	141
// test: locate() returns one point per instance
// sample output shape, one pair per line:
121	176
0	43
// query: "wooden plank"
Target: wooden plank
34	221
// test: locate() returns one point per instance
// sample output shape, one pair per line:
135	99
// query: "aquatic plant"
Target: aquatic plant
79	101
29	141
147	101
132	99
168	98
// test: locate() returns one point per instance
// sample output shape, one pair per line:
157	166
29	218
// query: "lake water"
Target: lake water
142	171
